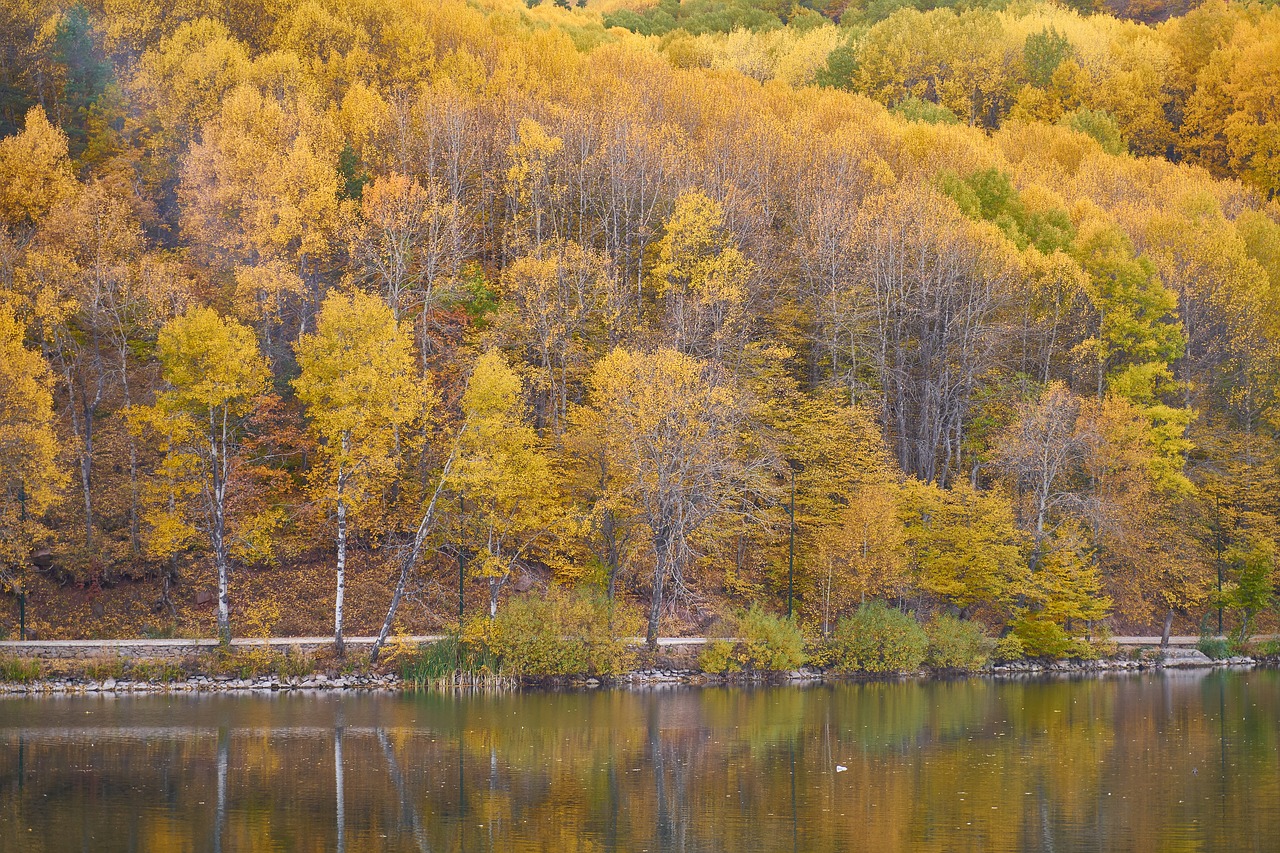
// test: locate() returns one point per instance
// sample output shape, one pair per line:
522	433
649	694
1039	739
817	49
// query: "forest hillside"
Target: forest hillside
972	310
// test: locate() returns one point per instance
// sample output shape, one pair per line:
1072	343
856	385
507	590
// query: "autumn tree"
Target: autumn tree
965	548
357	382
35	171
938	284
700	276
404	241
501	474
30	478
564	307
669	428
214	374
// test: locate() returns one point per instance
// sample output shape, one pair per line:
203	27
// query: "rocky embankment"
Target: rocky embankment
207	684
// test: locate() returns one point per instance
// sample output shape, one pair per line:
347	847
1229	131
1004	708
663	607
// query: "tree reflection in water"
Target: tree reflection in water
1144	763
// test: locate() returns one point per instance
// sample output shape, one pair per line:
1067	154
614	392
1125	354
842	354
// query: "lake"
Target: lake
1135	762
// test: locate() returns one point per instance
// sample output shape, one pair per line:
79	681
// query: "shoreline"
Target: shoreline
319	682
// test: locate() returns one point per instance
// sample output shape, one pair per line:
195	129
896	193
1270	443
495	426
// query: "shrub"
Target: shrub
1214	648
1042	638
564	633
22	670
957	644
1078	648
1267	649
1009	648
717	656
917	109
761	642
878	638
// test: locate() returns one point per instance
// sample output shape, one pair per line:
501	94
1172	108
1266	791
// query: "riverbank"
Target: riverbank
308	664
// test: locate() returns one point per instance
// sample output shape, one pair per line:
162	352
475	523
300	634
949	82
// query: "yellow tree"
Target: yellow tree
864	554
701	276
668	426
501	474
964	544
849	540
1138	516
562	307
357	382
214	375
29	475
35	173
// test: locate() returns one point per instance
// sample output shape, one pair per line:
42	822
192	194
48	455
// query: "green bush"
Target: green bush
564	633
957	644
1009	648
717	656
1267	649
1042	638
917	109
761	642
1214	648
22	670
878	638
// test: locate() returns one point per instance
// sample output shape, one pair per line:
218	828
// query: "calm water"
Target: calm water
1184	761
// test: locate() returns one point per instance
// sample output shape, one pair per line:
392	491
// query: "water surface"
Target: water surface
1150	762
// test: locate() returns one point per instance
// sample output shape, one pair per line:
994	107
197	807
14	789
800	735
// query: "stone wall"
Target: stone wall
176	649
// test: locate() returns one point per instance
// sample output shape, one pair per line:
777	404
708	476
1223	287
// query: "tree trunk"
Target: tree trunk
662	550
86	484
338	644
218	508
1168	626
610	532
224	598
411	558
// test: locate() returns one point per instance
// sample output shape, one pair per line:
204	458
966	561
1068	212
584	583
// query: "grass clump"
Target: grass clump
246	663
105	666
957	644
1266	649
157	671
451	660
760	642
20	670
879	639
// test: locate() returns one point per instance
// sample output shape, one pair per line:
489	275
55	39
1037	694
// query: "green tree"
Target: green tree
1253	564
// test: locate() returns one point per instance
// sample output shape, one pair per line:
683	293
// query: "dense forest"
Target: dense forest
970	310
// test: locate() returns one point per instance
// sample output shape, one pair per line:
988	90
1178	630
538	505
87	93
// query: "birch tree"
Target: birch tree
214	373
358	386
